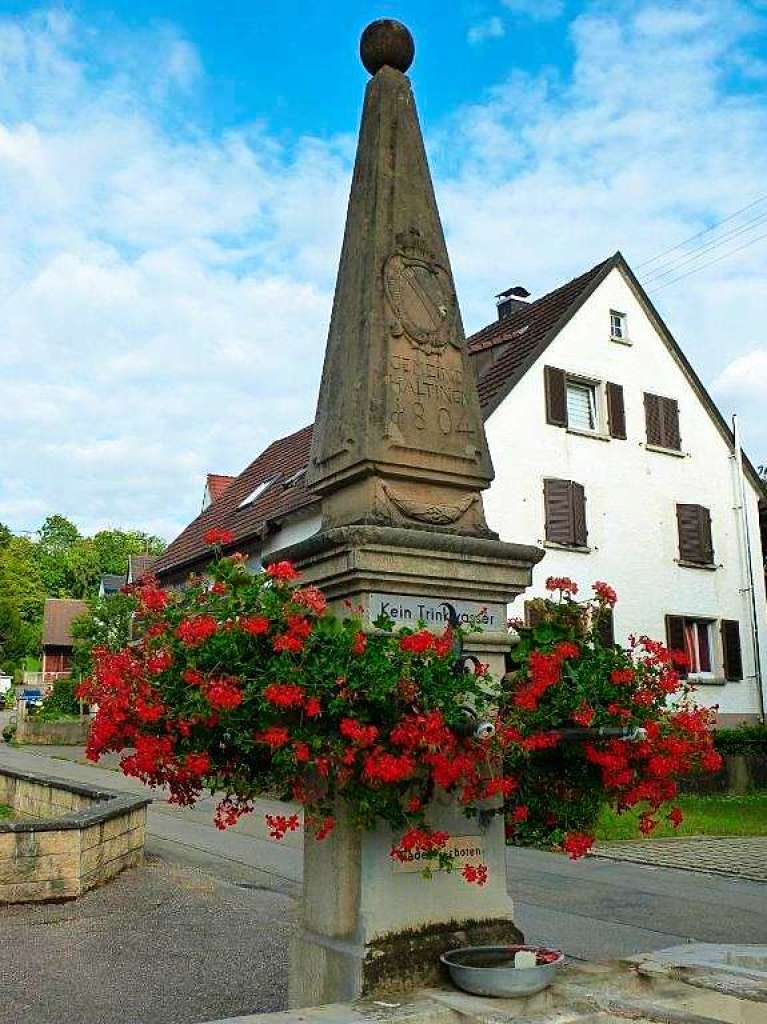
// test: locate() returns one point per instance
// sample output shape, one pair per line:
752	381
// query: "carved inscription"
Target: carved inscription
427	403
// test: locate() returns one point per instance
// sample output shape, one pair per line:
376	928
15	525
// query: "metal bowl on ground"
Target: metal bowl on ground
490	970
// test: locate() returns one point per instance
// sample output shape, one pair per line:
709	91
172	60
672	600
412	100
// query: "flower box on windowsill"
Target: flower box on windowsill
710	566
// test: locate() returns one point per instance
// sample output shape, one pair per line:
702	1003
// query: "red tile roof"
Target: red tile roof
217	483
58	614
527	332
281	463
530	329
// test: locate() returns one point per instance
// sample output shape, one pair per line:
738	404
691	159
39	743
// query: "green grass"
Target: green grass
5	812
703	816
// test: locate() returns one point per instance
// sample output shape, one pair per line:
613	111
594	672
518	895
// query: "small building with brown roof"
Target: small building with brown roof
58	616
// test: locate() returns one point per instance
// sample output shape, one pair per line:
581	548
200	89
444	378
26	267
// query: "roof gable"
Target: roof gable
58	615
529	331
282	463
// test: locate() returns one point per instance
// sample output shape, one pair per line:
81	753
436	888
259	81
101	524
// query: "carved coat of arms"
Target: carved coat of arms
421	295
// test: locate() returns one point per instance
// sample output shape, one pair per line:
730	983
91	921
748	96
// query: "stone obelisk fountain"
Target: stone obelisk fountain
400	459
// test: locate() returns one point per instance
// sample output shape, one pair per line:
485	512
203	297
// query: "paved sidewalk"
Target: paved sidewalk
735	856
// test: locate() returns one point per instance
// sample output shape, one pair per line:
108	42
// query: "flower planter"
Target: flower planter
490	970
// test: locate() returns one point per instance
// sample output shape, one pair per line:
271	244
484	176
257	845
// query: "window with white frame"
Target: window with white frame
699	646
618	325
582	406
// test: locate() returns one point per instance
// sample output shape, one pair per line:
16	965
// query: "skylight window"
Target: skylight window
258	491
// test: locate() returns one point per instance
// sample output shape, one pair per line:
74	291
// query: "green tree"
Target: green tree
5	535
107	624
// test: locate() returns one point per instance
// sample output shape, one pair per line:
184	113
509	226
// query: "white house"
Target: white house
608	452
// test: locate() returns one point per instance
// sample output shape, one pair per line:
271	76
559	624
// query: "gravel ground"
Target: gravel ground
161	944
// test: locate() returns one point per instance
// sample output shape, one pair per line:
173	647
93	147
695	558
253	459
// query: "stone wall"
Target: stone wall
68	838
67	732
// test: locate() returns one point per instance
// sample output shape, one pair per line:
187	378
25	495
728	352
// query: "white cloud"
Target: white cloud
745	377
165	292
148	281
540	10
491	28
648	140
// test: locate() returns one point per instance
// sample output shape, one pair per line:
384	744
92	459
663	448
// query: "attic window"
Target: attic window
258	491
618	330
296	477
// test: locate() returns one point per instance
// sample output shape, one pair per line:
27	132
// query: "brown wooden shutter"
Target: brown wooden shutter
556	494
616	413
695	542
556	396
606	627
669	423
565	505
731	652
578	505
706	541
675	638
652	419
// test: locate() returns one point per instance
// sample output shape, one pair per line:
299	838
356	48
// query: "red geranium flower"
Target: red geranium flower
197	764
417	643
217	537
284	695
583	714
577	844
288	643
283	571
562	583
475	875
312	708
223	693
675	816
275	736
361	735
605	593
359	643
256	625
311	598
194	631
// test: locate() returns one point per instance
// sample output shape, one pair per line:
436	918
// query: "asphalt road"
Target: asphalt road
202	931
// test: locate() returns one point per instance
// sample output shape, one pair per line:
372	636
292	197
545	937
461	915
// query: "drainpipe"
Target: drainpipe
742	508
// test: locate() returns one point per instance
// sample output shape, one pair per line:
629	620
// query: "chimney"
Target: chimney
511	300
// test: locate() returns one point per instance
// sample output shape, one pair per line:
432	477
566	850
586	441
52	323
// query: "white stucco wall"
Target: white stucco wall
631	492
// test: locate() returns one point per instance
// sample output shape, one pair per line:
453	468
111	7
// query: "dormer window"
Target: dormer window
618	330
257	491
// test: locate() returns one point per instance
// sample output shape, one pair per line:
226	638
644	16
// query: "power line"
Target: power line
705	231
668	268
711	262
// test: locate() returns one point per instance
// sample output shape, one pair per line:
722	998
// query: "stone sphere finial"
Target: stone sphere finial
387	42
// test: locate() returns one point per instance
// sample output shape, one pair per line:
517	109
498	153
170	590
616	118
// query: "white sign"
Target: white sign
463	850
406	610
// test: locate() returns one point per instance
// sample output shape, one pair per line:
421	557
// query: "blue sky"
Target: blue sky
173	180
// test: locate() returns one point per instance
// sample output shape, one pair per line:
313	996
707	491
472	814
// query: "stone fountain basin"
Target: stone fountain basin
490	970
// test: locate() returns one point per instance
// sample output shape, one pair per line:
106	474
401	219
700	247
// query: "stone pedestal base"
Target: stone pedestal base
369	923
